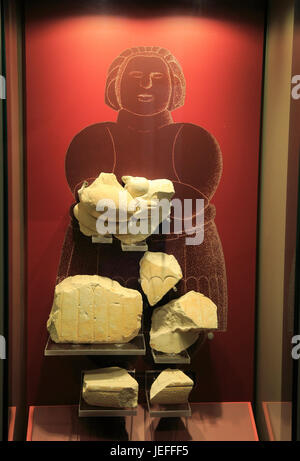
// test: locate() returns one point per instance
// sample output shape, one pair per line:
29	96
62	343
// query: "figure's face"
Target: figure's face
146	86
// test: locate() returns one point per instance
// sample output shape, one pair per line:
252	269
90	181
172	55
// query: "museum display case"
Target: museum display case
149	214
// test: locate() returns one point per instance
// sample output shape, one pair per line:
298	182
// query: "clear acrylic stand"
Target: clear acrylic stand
181	358
164	411
139	246
135	347
102	239
86	410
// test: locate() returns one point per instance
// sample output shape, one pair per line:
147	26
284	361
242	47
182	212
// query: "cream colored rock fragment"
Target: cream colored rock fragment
159	272
151	204
176	325
107	189
149	189
110	387
139	198
171	387
94	309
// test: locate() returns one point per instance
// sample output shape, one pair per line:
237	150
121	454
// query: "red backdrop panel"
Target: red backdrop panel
67	57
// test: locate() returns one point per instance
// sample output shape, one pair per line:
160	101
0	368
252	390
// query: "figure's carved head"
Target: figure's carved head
145	81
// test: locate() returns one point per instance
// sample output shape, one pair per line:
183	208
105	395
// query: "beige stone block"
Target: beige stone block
94	309
110	387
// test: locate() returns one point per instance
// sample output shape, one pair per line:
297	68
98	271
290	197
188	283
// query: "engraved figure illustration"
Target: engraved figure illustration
144	85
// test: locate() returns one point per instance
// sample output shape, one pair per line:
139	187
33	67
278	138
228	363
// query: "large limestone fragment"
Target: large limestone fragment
176	325
107	189
171	387
94	309
159	272
133	212
110	387
151	204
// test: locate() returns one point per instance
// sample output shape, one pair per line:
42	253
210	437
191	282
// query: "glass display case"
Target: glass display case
149	220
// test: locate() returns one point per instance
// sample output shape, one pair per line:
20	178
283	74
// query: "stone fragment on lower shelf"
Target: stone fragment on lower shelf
159	272
171	387
94	309
176	325
110	387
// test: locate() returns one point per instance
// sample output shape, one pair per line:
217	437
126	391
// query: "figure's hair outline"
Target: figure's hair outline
118	66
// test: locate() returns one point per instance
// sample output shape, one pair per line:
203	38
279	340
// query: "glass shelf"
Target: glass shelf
155	410
135	347
86	410
161	357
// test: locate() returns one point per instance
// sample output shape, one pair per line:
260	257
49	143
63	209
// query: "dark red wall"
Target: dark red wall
67	56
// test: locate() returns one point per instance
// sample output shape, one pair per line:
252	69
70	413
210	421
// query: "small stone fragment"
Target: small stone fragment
149	189
159	272
176	325
171	387
110	387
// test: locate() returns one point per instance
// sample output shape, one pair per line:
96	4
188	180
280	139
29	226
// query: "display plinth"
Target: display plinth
61	423
139	246
161	357
215	421
102	239
180	410
135	347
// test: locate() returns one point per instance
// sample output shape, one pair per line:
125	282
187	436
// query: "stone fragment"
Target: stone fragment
151	204
134	211
114	198
159	272
149	189
105	187
176	325
94	309
87	222
171	387
110	387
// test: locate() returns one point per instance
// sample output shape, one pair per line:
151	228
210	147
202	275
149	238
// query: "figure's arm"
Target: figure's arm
198	159
90	153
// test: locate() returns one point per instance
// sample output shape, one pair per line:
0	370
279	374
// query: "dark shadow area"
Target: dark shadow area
170	429
231	9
